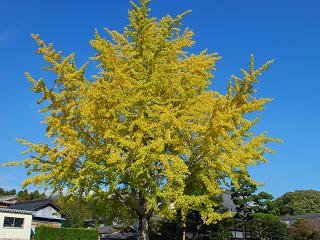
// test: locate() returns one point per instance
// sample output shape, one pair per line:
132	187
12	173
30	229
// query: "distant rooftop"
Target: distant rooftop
301	216
227	201
9	199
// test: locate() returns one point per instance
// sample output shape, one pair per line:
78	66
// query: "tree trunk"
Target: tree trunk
143	228
243	231
184	234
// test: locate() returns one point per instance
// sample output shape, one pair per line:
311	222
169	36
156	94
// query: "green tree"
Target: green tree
24	195
264	203
77	210
265	226
146	130
242	196
249	203
221	230
299	202
7	192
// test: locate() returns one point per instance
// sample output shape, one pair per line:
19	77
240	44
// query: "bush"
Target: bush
307	229
267	226
48	233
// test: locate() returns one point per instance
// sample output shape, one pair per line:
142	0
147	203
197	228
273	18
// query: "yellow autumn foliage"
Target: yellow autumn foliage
146	130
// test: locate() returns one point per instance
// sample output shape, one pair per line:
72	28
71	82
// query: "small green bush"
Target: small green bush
48	233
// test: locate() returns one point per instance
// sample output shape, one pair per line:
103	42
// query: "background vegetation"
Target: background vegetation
299	202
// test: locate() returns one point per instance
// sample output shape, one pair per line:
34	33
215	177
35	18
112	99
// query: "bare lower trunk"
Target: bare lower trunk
143	228
244	232
184	234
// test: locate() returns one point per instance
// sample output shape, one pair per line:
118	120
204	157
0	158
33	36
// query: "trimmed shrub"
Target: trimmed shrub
48	233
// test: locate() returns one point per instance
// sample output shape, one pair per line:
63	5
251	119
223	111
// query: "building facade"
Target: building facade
15	224
18	220
44	212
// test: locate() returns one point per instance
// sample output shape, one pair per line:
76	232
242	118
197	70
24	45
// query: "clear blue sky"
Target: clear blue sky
287	31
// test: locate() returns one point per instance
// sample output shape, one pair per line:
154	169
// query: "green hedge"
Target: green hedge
48	233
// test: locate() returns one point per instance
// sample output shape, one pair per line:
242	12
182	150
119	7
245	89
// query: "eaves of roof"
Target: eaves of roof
18	211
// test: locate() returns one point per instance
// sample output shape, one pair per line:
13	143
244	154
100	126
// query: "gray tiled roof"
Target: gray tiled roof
10	210
301	216
8	199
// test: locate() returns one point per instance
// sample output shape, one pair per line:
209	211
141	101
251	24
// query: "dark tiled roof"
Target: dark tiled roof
122	228
118	236
9	210
33	205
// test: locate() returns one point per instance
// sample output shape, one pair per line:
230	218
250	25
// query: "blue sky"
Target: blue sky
287	31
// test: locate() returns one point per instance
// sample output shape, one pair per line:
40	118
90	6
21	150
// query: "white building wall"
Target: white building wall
48	212
9	233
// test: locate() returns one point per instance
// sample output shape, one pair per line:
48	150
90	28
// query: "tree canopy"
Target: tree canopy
267	226
299	202
23	195
248	201
145	131
4	192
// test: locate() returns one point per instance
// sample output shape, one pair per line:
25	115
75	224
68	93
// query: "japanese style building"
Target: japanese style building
19	220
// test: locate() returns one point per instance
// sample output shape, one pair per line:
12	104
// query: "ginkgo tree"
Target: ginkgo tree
146	131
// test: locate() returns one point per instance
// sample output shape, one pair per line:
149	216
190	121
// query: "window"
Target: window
13	222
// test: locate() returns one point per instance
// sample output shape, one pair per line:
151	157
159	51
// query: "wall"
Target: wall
15	233
47	212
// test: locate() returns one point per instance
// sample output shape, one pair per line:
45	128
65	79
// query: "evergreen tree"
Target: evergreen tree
7	192
24	195
242	197
299	202
77	210
266	226
250	205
